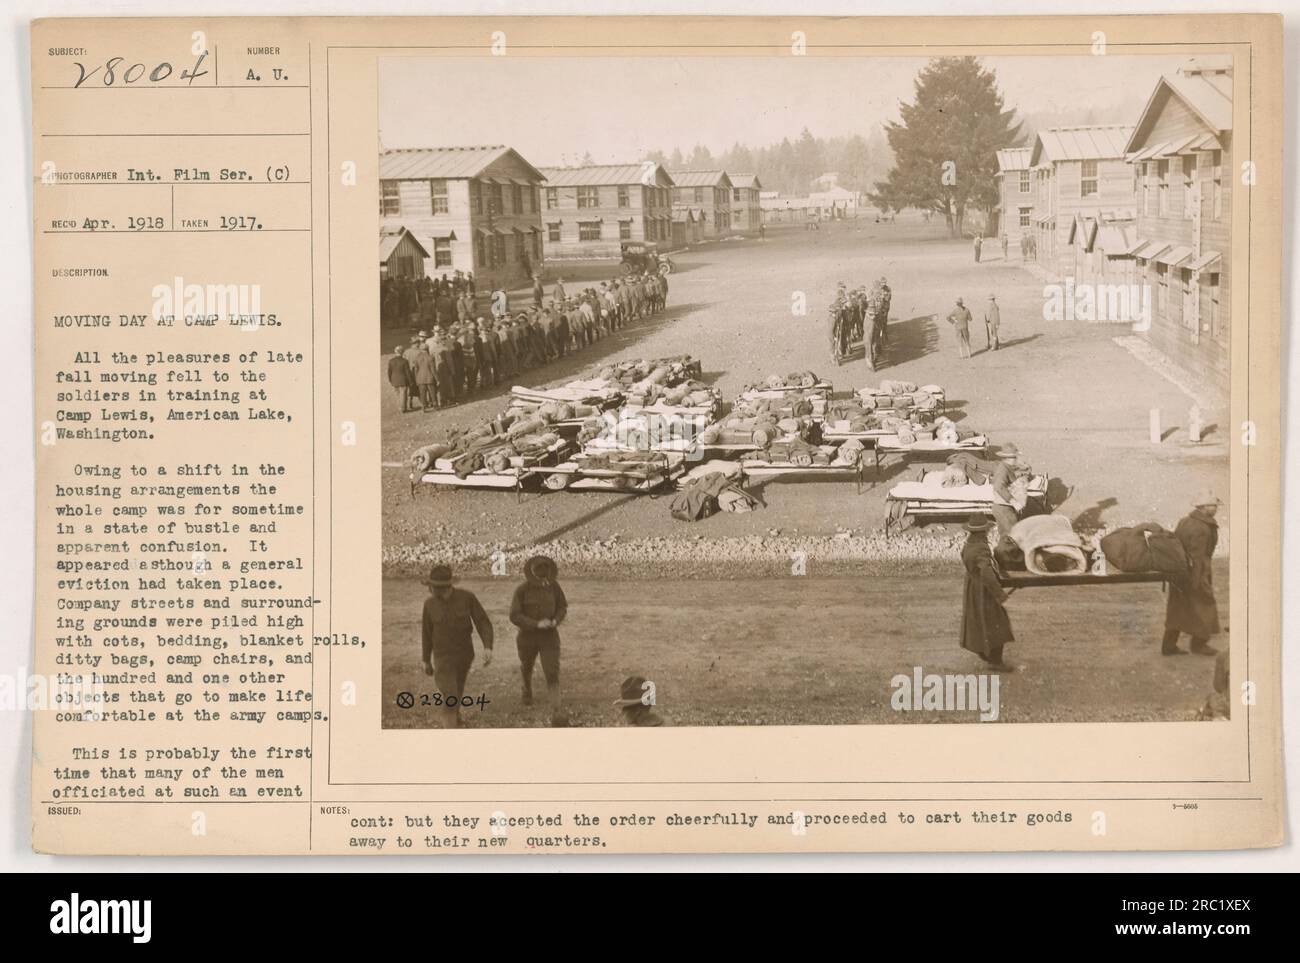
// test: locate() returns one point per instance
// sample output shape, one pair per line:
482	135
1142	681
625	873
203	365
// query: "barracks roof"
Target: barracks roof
1205	88
605	175
1013	159
710	178
745	180
1079	143
450	163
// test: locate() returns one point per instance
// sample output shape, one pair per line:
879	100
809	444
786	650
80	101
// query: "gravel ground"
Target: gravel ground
813	651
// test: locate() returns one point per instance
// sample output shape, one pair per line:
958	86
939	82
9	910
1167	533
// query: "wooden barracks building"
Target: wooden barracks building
589	212
746	209
702	201
1074	172
472	209
1015	198
1181	152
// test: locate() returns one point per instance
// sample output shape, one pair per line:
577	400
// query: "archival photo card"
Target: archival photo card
756	434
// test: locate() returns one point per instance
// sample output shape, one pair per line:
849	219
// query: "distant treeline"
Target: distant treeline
792	166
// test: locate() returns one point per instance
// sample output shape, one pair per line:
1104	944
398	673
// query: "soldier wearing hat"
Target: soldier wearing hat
959	318
985	626
992	318
489	363
537	609
637	703
1192	607
451	615
402	378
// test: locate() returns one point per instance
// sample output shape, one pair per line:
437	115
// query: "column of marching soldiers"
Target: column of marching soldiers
462	348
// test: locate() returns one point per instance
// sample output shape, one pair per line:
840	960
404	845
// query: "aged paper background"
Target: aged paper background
363	781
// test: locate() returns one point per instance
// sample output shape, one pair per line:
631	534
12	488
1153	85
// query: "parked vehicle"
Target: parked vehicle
644	256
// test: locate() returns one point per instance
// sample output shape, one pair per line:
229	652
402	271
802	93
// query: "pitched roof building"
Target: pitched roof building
1015	199
589	212
1181	152
473	209
1075	171
707	194
746	211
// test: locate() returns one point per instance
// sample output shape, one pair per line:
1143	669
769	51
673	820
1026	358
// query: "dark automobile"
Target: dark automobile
641	256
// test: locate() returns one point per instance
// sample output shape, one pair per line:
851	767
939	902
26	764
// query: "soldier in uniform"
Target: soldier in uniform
992	320
1192	607
401	377
447	627
886	297
985	626
489	370
960	318
537	608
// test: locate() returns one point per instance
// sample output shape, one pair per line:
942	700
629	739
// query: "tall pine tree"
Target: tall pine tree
945	149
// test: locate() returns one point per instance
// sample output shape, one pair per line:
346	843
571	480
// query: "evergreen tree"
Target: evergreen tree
945	149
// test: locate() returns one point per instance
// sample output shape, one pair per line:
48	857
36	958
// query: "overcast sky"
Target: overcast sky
552	110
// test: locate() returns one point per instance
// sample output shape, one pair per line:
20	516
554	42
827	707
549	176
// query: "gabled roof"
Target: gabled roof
1207	95
1119	239
749	181
711	178
1099	142
1013	159
417	163
607	175
390	238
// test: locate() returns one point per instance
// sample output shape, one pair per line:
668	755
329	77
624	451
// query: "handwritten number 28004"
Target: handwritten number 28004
111	73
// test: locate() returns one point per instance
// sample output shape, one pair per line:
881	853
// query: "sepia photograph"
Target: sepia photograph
863	390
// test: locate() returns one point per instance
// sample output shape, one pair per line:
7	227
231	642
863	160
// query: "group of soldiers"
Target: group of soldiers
445	364
427	301
850	312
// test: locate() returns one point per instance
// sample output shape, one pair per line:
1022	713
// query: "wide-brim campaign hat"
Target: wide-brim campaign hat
541	566
1009	450
977	523
440	577
630	692
1205	498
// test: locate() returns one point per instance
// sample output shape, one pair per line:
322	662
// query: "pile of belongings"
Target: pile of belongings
760	421
805	384
507	441
965	469
1145	548
732	469
633	430
796	379
692	394
902	395
708	494
801	454
575	400
1043	545
854	416
947	433
665	371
